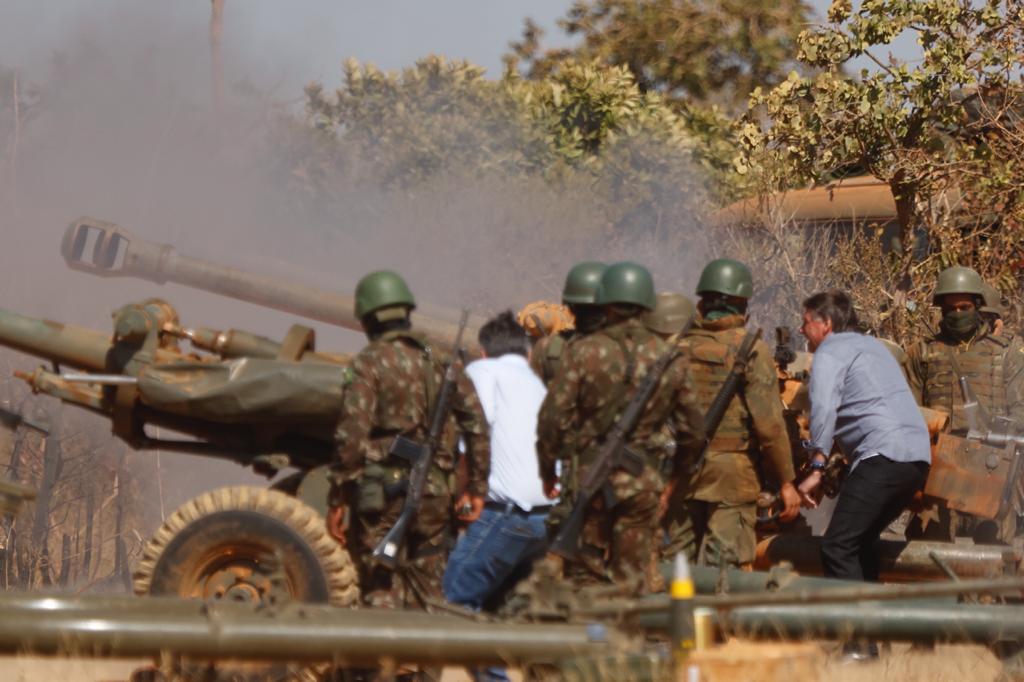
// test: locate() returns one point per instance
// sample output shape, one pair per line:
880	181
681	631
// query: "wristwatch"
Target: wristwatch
817	464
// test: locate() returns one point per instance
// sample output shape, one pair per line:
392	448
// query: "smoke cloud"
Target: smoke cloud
124	128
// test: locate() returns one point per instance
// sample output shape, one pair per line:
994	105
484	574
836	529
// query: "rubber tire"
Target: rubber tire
317	567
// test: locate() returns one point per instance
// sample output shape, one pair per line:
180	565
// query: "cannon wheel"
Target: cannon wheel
247	544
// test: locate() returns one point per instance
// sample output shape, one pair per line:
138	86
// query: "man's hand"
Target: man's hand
551	487
469	507
337	523
790	502
808	489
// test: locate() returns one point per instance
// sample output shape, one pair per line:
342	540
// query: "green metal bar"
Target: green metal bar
960	623
126	627
62	343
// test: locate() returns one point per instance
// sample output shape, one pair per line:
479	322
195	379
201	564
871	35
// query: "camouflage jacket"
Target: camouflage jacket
389	393
753	427
994	366
604	366
546	356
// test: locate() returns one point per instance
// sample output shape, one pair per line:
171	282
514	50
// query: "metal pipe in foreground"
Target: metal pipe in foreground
926	594
298	633
898	561
959	623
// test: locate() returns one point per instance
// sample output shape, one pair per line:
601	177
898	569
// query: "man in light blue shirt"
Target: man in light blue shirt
861	401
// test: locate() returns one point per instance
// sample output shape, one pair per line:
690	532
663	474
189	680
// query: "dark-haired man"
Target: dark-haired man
860	400
500	546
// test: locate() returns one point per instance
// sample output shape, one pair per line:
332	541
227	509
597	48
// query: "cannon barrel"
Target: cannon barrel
116	252
64	344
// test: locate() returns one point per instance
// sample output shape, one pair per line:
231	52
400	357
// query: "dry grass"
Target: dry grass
949	663
739	661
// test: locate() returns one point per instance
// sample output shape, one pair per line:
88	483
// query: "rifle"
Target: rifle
613	453
422	457
725	395
784	353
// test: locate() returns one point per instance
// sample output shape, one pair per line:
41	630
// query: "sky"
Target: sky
288	43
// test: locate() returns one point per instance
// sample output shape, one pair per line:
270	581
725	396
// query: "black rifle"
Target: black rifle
422	457
613	453
784	353
725	395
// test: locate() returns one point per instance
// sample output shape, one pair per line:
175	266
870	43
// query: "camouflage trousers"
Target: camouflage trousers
710	533
421	568
620	543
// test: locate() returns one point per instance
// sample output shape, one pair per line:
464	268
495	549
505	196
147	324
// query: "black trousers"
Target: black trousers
873	495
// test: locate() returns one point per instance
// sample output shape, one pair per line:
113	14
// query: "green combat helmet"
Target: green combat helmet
671	311
726	276
382	289
626	283
958	280
581	283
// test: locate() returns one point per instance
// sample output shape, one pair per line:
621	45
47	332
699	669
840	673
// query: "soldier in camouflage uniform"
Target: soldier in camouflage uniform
597	377
993	311
993	364
578	294
391	388
714	508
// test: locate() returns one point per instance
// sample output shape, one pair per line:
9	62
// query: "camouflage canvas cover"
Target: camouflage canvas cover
245	390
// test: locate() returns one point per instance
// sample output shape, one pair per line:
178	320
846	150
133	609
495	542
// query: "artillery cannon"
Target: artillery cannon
263	404
116	252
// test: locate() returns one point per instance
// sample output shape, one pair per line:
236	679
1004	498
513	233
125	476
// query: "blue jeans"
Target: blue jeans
495	551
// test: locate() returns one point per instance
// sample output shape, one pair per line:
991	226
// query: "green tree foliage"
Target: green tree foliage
692	51
441	118
944	132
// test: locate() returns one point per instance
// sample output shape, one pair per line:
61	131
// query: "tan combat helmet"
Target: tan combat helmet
671	311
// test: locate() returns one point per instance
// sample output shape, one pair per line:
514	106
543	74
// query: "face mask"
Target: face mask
961	324
722	309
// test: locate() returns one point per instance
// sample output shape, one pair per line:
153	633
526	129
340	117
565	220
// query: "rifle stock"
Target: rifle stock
387	550
613	453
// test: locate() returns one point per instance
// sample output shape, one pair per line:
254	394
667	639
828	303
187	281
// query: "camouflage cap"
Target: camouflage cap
544	318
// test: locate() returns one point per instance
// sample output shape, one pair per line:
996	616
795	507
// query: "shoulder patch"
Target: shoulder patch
347	375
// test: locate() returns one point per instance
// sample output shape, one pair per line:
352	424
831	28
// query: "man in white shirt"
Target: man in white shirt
500	547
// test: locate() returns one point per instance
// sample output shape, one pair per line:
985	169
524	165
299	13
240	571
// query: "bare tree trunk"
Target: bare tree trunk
65	560
120	550
52	465
90	513
216	54
78	542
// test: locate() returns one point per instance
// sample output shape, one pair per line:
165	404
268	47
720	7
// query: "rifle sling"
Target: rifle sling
710	434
